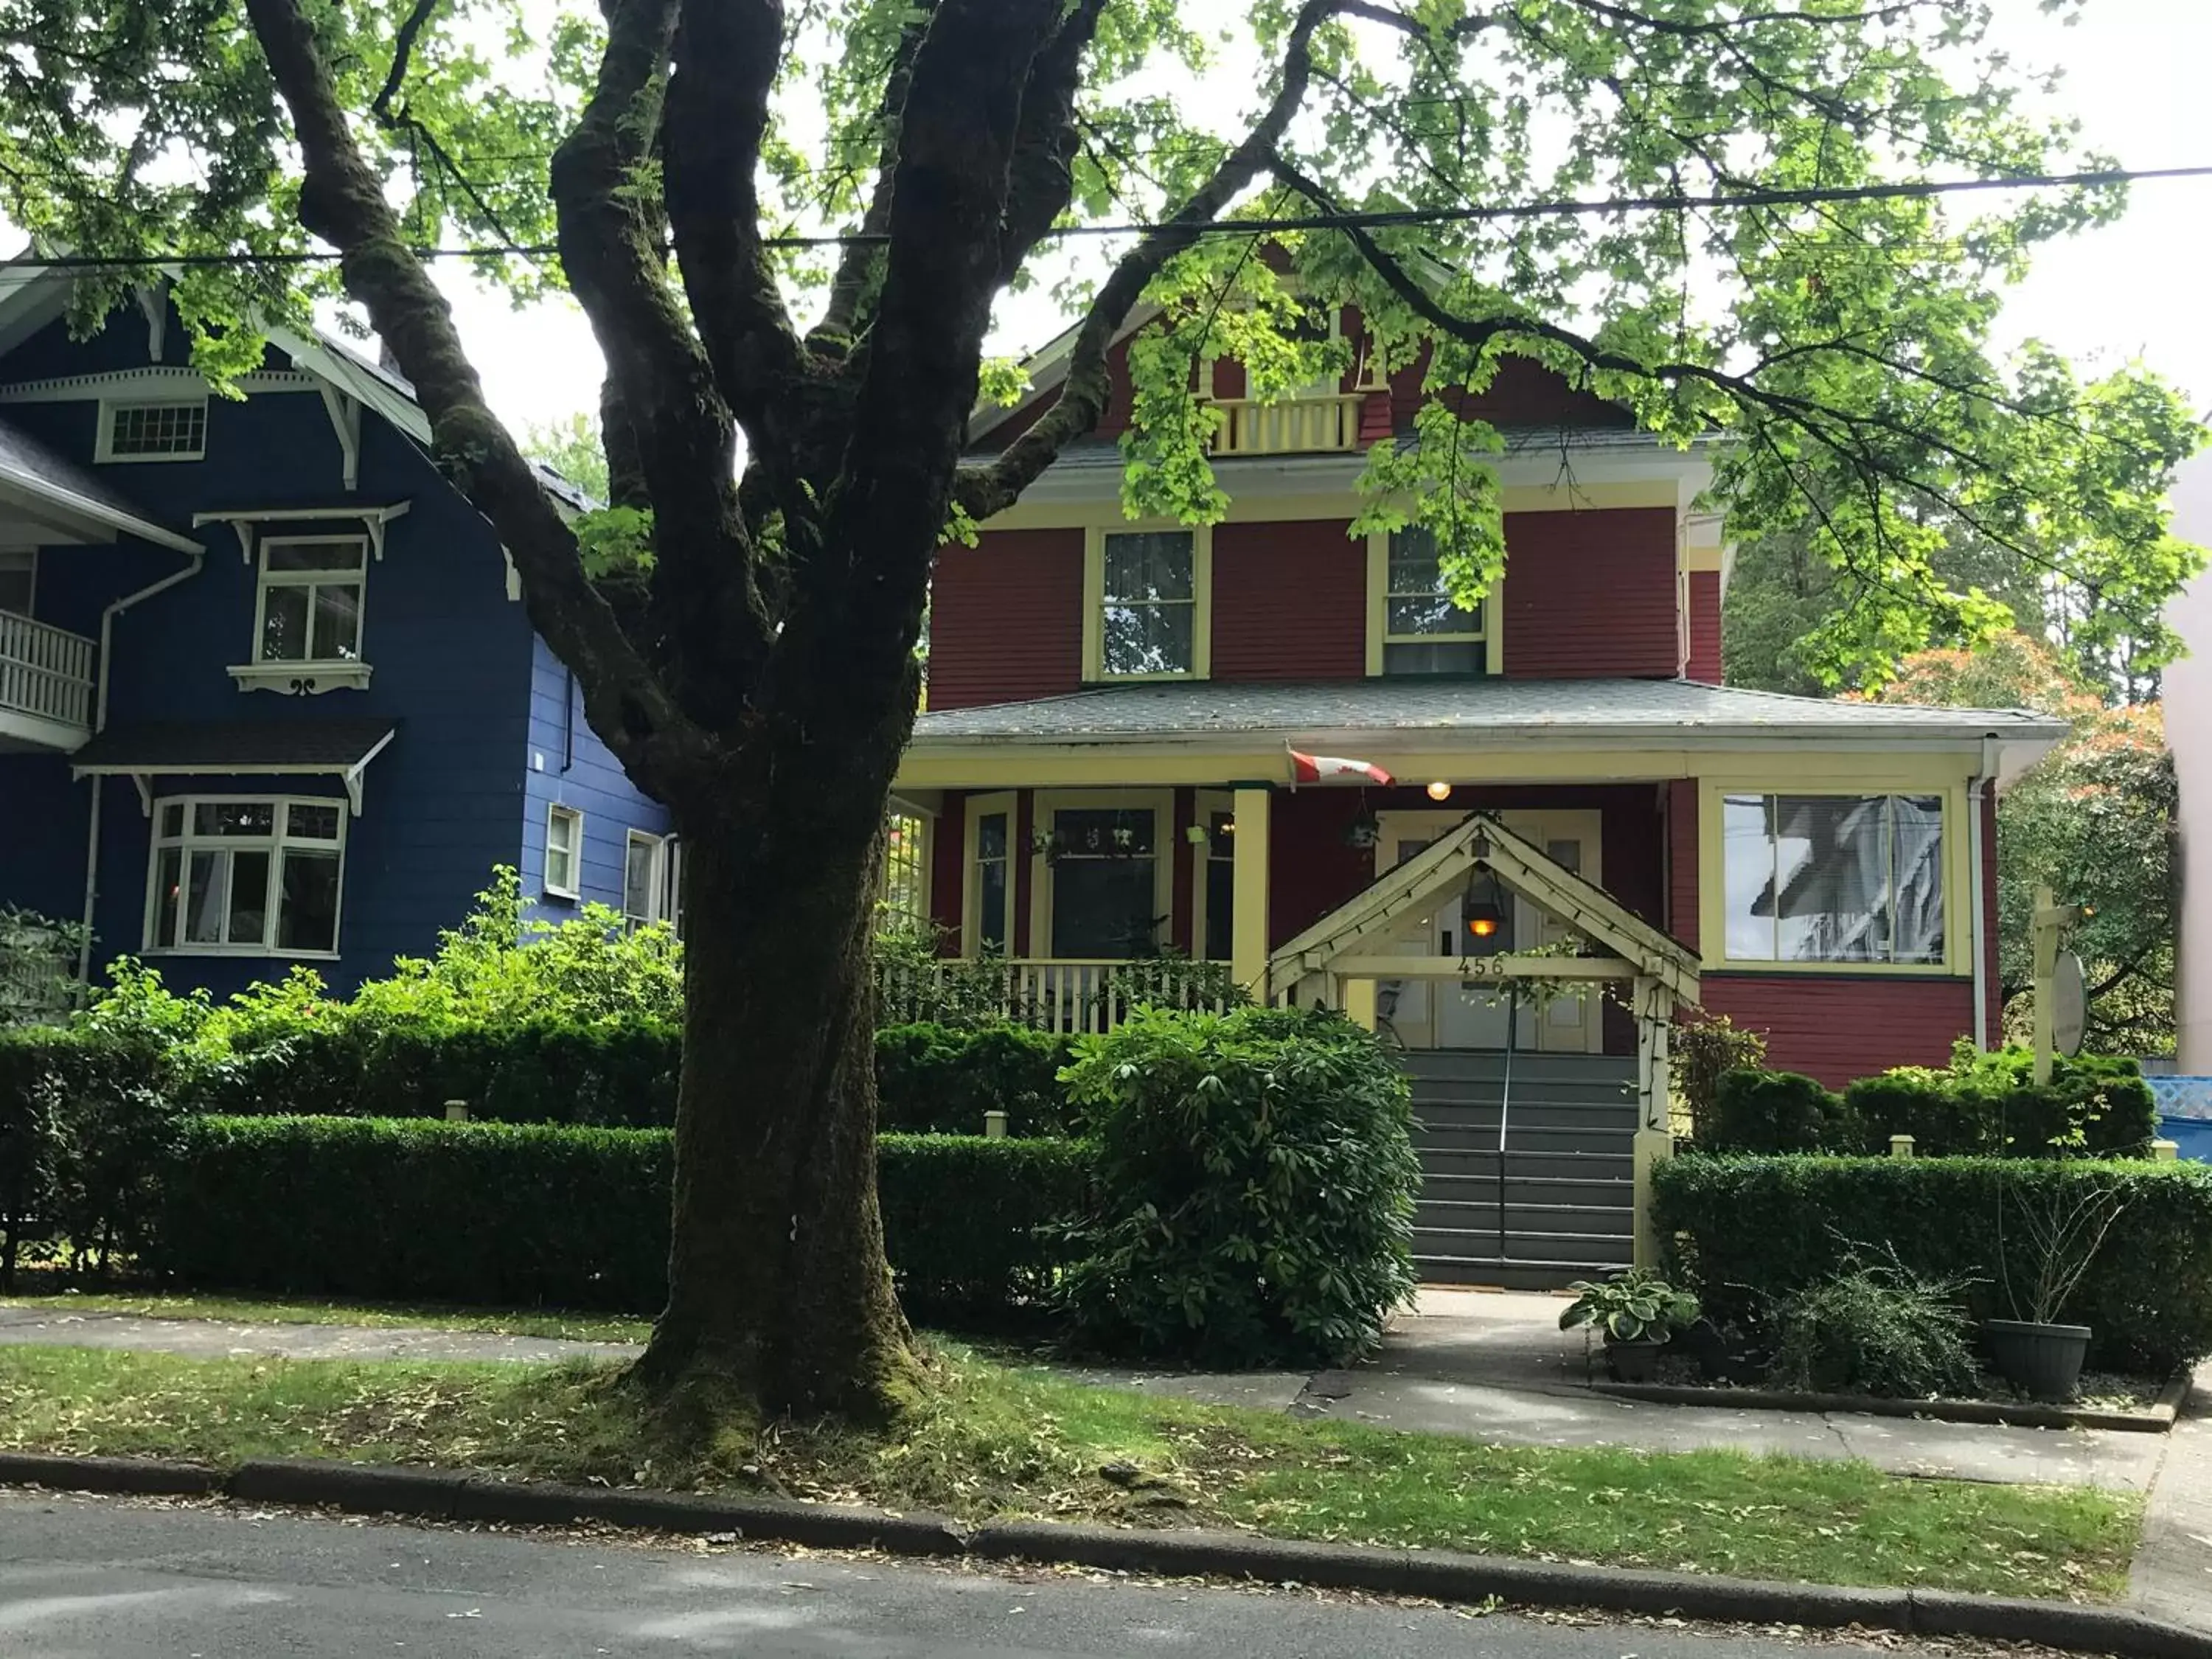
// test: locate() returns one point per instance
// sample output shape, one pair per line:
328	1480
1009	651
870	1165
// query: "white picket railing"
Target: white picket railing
1295	426
1071	997
45	672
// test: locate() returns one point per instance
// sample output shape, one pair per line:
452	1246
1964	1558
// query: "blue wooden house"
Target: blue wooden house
268	694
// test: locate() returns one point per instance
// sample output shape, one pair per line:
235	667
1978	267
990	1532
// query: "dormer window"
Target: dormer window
308	614
1415	624
171	431
1149	614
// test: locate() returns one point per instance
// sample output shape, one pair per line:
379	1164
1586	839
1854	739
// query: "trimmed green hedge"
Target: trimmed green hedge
516	1214
939	1079
1983	1105
1740	1230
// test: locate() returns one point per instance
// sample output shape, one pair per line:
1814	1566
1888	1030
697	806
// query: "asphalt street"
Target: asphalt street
116	1578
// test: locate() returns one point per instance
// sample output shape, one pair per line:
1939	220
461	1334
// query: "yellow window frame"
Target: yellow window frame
1491	634
974	810
1048	803
1962	923
1094	597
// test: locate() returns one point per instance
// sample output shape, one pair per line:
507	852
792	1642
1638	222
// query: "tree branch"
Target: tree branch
983	491
861	262
341	201
403	50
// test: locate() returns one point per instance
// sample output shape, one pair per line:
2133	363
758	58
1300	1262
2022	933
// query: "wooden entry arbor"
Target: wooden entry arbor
1338	961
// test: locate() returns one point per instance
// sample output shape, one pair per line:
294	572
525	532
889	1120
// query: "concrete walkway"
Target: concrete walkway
224	1339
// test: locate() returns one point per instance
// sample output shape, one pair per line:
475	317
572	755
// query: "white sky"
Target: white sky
2135	75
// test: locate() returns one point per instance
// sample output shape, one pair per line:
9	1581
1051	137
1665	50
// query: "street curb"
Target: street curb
1436	1575
2157	1419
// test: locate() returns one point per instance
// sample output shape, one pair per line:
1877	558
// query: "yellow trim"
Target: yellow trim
1959	934
1698	558
1087	765
1204	804
975	809
1094	596
1248	956
1045	803
1330	499
1491	633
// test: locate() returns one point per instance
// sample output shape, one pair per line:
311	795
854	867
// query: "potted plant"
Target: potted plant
2058	1228
1636	1312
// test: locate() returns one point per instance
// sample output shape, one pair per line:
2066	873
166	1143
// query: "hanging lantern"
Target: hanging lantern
1482	908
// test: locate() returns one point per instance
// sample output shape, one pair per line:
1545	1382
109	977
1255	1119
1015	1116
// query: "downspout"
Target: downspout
99	724
1978	804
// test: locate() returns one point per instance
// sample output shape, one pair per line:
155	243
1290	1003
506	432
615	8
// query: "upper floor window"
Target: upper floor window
1423	629
253	877
1149	610
19	573
175	431
310	599
1835	879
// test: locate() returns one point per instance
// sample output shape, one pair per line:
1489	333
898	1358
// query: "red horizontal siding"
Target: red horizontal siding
1840	1026
1005	618
1522	394
1591	594
1682	920
1705	606
1290	602
947	853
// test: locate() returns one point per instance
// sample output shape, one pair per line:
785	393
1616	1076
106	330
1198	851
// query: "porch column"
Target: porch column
1247	955
1655	1136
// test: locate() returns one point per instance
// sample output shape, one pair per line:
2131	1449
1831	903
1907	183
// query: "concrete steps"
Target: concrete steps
1568	1169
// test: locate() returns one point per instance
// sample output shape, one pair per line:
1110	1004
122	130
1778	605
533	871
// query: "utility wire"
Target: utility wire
1388	218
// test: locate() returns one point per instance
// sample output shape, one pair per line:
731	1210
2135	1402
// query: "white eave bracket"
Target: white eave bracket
345	423
373	519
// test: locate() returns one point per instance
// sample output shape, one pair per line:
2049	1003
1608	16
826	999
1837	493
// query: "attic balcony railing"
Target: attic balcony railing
1293	426
1068	996
45	672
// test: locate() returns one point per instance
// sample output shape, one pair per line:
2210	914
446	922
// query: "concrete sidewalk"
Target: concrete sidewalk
1493	1365
224	1339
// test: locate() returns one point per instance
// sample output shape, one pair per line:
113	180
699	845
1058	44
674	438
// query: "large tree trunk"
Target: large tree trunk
777	1283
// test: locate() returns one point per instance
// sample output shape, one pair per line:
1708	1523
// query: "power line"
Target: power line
1568	207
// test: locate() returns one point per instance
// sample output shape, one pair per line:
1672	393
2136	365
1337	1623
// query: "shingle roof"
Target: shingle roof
1636	710
29	465
217	746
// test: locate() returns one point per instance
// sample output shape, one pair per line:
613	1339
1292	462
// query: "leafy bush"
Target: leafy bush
1742	1231
1988	1104
1775	1112
1635	1306
1876	1327
513	1214
1705	1049
939	1079
1255	1180
38	966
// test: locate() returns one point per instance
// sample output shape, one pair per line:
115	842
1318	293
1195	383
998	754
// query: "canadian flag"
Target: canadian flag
1325	769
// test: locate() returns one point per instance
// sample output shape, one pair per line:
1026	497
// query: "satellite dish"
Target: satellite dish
2069	1005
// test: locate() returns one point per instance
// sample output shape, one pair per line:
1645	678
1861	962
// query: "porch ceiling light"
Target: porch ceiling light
1482	911
1440	790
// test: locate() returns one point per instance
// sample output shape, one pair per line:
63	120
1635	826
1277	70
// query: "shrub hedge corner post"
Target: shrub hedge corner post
1900	1145
2165	1151
457	1111
994	1125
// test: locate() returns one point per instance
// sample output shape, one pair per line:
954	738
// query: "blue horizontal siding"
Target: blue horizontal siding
566	764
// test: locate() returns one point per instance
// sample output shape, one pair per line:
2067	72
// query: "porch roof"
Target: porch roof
1415	712
68	502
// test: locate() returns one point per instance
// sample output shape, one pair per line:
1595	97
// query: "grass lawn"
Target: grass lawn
260	1310
994	1440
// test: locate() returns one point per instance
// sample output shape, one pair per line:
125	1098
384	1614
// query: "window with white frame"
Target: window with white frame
645	879
1839	878
310	599
19	573
1425	629
247	876
175	430
564	851
1148	615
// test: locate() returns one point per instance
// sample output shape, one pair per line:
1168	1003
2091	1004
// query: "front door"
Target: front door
1468	1014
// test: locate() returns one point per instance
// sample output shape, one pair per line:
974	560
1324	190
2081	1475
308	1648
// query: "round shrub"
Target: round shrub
1876	1328
1255	1180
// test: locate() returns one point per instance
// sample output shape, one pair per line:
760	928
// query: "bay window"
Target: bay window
1834	878
245	877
